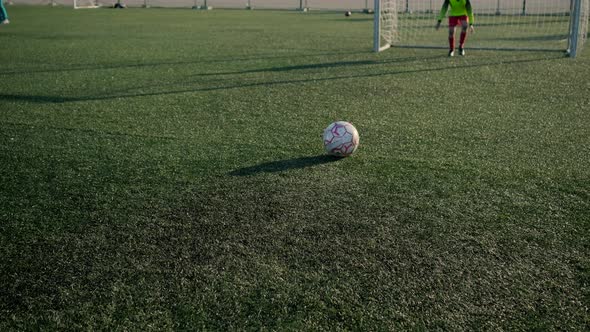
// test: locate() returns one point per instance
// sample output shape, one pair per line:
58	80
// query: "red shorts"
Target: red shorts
458	20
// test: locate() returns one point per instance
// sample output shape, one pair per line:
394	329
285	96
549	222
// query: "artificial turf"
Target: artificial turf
163	169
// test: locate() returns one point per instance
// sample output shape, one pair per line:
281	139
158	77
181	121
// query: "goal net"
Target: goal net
499	24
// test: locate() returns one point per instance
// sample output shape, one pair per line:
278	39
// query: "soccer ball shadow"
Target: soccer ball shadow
285	165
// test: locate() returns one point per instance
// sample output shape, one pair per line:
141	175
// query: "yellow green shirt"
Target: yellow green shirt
458	8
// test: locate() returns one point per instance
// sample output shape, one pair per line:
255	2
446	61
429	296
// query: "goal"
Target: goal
547	25
81	4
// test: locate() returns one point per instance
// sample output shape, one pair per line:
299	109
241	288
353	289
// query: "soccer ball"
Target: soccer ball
341	139
348	13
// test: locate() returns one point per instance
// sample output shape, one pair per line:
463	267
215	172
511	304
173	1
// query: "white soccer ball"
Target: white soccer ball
341	139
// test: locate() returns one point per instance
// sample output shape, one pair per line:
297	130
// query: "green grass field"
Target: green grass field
163	169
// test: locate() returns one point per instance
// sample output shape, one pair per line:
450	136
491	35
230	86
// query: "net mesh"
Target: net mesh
388	17
499	24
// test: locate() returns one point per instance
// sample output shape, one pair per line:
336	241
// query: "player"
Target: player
3	14
461	13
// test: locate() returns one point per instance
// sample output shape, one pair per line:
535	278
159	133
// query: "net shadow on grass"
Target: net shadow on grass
240	85
110	66
355	19
36	99
532	23
284	165
325	65
88	131
533	38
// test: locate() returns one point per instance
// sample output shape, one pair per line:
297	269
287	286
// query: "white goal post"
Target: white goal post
578	26
385	25
548	25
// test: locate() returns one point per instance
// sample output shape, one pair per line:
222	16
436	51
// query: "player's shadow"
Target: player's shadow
284	165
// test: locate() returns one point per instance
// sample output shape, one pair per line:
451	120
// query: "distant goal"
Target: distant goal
83	4
548	25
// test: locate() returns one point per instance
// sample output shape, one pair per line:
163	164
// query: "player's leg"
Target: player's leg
3	14
464	26
452	24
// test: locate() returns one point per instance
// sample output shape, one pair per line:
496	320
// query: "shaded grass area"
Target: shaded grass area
163	169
